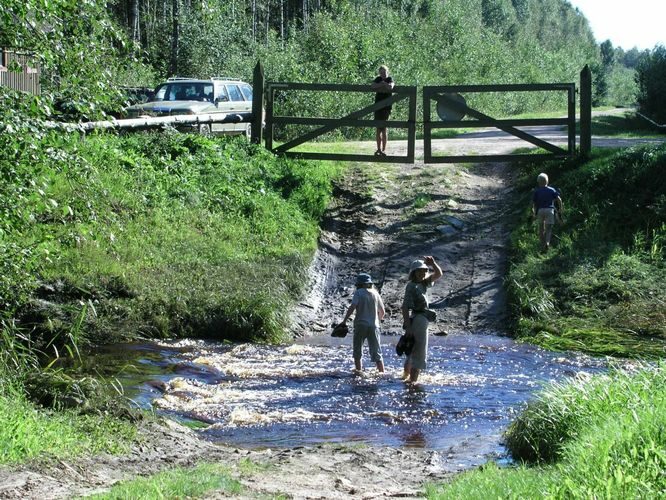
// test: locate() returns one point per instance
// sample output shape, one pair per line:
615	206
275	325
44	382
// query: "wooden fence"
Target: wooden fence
19	71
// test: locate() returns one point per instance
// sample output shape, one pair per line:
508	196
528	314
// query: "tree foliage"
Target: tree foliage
83	54
651	79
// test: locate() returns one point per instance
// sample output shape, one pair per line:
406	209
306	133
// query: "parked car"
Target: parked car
188	96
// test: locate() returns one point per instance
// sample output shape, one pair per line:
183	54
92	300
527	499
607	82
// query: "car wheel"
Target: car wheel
204	130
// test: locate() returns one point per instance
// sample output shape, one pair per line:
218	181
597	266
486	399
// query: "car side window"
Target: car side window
160	92
235	93
222	94
247	92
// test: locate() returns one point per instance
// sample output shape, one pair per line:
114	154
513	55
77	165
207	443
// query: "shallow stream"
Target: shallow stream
306	393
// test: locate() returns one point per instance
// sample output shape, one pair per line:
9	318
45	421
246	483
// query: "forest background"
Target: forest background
90	49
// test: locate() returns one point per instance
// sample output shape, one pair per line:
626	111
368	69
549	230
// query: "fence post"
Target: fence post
585	111
257	103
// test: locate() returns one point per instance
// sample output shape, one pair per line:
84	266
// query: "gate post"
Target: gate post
585	111
257	103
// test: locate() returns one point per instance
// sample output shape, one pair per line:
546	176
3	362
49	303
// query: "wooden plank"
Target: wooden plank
257	103
428	94
511	130
333	87
571	125
339	122
411	132
491	158
585	111
347	157
510	87
327	128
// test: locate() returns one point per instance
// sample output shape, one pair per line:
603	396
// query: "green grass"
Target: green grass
166	234
581	439
600	288
197	482
27	432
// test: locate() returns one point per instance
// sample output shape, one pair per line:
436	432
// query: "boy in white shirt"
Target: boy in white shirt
369	308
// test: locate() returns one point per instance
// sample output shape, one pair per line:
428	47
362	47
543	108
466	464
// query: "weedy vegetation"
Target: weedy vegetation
580	438
600	287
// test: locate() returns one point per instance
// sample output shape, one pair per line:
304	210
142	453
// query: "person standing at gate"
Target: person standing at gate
416	315
545	201
383	84
369	308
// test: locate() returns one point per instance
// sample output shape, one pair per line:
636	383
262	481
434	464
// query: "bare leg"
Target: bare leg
406	370
414	375
358	365
542	234
384	138
380	366
378	137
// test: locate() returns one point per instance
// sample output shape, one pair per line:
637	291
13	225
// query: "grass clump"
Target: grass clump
196	482
27	432
582	439
600	287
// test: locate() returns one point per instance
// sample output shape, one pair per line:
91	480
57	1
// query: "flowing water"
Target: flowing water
306	393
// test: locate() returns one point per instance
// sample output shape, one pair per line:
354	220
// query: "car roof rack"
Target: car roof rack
226	78
178	78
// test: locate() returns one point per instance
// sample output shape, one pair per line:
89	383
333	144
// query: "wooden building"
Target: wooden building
19	70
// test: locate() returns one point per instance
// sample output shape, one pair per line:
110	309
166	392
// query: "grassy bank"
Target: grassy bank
157	235
594	438
600	287
598	290
106	238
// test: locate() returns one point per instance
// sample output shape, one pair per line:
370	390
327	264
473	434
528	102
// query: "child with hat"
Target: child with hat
369	308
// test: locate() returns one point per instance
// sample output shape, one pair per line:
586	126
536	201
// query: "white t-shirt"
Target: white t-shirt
368	304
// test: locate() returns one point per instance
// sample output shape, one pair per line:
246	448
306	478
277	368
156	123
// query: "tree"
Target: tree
651	80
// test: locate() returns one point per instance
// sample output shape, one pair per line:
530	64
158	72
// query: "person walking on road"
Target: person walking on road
416	315
369	308
383	84
546	201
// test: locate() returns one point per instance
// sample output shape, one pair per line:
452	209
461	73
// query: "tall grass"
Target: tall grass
597	437
600	288
27	432
158	235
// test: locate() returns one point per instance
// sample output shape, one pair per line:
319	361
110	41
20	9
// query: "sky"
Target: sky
628	24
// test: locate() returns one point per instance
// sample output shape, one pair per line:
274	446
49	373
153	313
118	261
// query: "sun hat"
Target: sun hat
417	264
363	279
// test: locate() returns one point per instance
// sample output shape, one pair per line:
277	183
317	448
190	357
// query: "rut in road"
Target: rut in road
384	217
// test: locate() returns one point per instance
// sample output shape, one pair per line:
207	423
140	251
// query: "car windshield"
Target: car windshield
185	91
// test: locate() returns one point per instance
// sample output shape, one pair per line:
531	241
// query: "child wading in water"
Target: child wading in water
369	308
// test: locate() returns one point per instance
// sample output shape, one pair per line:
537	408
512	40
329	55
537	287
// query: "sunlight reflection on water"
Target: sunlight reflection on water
306	393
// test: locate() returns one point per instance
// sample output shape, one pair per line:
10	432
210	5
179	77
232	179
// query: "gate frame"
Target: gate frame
435	93
399	93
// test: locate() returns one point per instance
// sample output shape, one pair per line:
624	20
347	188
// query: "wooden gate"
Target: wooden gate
324	125
450	97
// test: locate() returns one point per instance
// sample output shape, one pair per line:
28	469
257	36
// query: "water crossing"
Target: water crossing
306	393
